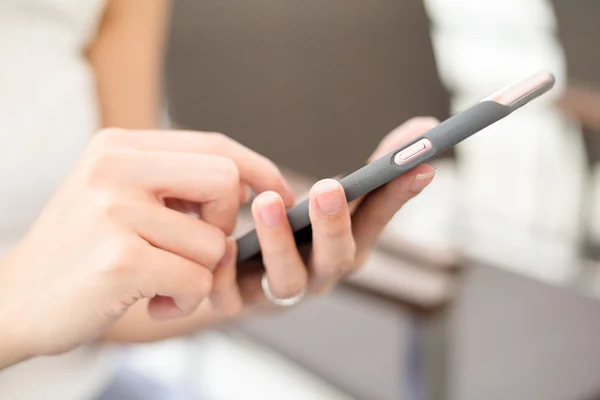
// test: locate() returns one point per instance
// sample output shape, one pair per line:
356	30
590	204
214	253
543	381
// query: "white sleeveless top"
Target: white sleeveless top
48	113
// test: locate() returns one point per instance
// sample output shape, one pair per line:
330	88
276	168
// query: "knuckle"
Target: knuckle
219	140
111	208
338	229
281	251
99	167
128	252
229	172
226	175
122	254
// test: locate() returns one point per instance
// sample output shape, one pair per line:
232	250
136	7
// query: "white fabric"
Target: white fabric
525	171
48	113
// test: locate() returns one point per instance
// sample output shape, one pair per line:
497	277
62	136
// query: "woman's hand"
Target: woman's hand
106	240
341	241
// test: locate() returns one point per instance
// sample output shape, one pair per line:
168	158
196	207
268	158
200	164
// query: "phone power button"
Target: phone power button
413	151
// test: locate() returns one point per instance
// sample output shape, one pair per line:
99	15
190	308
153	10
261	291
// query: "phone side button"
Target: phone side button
410	153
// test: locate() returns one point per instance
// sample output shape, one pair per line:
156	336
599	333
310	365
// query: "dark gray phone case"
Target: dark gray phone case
381	171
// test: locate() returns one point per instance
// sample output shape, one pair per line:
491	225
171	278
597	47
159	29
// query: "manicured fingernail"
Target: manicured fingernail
421	181
329	195
269	208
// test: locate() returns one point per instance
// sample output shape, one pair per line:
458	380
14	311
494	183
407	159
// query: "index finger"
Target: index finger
257	171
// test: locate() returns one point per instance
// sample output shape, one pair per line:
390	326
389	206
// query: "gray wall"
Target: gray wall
312	84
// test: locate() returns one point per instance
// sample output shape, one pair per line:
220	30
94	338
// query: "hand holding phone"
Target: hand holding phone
419	150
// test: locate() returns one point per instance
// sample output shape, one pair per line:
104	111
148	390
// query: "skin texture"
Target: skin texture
108	239
342	245
127	59
116	254
108	256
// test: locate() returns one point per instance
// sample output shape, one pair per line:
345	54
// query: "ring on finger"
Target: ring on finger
281	302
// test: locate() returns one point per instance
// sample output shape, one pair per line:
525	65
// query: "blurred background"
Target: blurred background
487	286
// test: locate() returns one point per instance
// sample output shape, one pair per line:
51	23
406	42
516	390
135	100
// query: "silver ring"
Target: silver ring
282	302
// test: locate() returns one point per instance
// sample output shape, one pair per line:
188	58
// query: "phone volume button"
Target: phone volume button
413	151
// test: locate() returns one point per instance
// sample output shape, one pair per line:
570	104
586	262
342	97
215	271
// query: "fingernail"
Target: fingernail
329	196
421	181
269	208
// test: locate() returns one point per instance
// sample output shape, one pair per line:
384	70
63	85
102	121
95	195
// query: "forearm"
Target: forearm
127	59
133	104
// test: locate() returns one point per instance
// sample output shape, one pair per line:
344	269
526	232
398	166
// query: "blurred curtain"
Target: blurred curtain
525	173
579	30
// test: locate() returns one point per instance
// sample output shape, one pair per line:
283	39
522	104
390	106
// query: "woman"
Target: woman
72	68
69	68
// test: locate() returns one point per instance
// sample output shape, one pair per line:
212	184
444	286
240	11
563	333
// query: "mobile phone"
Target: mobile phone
419	150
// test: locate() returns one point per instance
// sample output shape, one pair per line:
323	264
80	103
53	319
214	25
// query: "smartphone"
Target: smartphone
419	150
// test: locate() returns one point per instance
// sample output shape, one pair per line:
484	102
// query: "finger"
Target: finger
333	244
195	209
255	170
244	193
409	130
225	296
178	233
223	212
406	132
207	179
176	204
212	181
183	206
380	206
175	285
285	269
